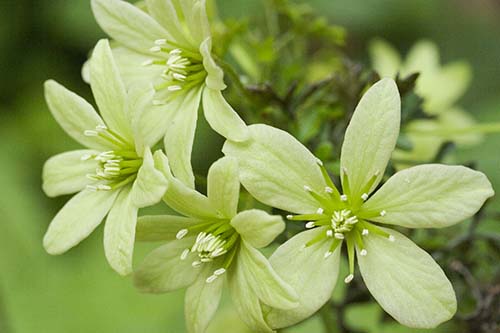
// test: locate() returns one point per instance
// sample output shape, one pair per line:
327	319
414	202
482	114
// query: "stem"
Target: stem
328	318
479	128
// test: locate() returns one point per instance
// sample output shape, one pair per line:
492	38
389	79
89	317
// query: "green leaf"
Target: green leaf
152	228
371	136
75	115
429	196
406	281
163	270
222	117
119	233
128	24
224	186
77	219
201	301
258	227
66	173
180	135
150	184
293	167
308	272
109	91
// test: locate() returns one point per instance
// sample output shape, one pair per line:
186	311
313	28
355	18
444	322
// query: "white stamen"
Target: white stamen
179	77
391	238
181	233
86	157
91	187
339	235
148	62
364	196
310	225
160	41
352	220
363	252
174	88
289	217
90	133
349	278
220	271
211	278
329	233
101	128
184	254
175	52
327	254
307	188
328	189
155	49
196	264
343	197
320	211
103	187
382	213
365	232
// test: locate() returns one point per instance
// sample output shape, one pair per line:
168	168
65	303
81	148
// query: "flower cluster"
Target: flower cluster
148	84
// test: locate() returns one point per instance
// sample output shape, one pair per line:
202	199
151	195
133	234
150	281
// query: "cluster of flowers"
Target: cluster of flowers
149	85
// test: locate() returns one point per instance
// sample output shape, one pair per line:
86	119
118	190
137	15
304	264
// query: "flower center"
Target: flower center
183	69
215	242
115	168
338	220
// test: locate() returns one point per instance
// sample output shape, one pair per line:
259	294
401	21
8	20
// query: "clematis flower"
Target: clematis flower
440	86
115	175
404	279
167	46
211	242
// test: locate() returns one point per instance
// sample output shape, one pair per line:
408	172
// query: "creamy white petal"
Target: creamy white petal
75	115
66	173
258	227
150	184
406	281
308	272
153	228
215	77
224	186
77	219
293	166
385	59
429	196
119	233
371	136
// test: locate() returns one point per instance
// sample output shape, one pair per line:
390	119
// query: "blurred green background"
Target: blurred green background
78	292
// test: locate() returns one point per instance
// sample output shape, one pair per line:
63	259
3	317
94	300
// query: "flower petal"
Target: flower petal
429	196
200	26
423	57
215	75
182	198
371	136
131	66
163	270
244	299
308	272
77	219
385	59
201	301
119	233
264	281
406	281
222	117
109	90
66	173
293	166
150	184
179	137
74	114
258	227
224	186
128	24
153	228
163	11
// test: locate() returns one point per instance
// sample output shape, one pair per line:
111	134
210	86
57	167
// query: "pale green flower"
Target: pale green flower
114	176
279	171
211	242
440	86
167	48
